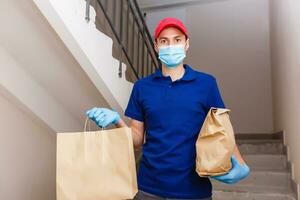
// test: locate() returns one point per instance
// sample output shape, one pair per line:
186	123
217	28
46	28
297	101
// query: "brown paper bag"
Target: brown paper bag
96	165
215	144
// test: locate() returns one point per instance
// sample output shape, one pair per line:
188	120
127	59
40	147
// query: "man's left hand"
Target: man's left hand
236	173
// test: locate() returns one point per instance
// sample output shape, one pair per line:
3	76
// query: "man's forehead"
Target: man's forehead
170	32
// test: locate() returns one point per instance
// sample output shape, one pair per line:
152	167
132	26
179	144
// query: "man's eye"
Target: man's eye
178	40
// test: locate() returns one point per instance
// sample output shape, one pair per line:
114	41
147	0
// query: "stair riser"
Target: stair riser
220	195
264	179
252	188
269	148
266	162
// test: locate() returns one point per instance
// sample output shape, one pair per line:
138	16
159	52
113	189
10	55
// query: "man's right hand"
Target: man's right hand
103	116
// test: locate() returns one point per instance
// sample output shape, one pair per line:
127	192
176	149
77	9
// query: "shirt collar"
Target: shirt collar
189	73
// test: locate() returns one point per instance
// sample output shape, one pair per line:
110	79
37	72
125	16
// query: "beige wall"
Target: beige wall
27	155
285	48
230	39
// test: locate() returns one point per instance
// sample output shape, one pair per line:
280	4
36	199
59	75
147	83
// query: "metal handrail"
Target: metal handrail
134	18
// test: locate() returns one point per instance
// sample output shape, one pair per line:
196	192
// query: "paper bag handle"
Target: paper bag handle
87	122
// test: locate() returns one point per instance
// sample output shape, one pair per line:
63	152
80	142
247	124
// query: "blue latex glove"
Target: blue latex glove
236	173
103	116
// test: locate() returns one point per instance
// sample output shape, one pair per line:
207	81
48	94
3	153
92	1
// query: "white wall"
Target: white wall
27	155
285	48
38	69
44	89
90	47
230	39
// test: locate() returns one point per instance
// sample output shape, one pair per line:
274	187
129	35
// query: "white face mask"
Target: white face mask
172	55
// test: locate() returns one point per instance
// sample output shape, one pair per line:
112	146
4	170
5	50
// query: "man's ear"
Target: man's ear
187	45
156	47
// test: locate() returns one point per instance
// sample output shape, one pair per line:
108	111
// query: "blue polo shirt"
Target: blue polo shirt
173	113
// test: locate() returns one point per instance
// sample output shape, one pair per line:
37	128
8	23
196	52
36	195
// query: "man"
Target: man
171	105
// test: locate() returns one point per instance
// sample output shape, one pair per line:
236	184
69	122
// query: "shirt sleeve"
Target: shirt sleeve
134	107
214	97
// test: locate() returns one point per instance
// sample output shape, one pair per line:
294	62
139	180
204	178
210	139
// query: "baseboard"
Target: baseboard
296	188
290	165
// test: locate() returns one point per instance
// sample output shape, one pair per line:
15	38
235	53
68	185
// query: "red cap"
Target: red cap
169	22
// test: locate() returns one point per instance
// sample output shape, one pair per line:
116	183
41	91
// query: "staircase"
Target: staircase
269	179
109	42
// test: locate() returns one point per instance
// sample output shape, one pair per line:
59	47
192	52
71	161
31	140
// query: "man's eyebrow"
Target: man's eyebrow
176	36
162	38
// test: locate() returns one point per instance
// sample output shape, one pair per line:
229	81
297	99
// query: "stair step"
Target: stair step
244	195
261	146
258	141
263	179
251	188
266	162
269	178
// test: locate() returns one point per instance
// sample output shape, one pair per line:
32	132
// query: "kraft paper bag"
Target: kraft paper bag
215	144
96	165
